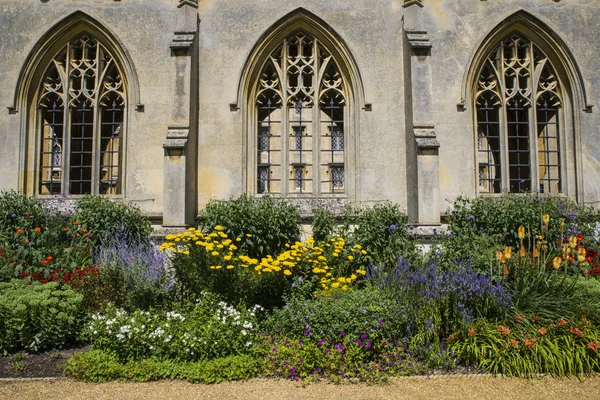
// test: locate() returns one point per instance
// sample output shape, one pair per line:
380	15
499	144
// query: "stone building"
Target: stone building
169	103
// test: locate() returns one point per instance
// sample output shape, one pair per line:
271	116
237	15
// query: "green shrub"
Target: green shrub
38	317
324	224
204	330
526	348
382	230
272	222
367	311
479	226
106	219
100	366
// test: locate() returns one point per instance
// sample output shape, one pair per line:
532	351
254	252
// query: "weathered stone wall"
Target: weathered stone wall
373	32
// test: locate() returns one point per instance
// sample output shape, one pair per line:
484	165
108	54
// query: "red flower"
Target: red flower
593	346
471	331
504	330
49	258
562	322
2	251
45	262
514	343
528	342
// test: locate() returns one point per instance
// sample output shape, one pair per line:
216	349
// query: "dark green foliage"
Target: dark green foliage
478	227
106	218
99	366
368	311
38	317
324	224
271	222
382	230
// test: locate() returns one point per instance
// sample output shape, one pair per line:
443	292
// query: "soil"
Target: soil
472	387
50	364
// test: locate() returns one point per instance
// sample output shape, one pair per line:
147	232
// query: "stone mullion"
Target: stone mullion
316	124
285	125
533	144
503	123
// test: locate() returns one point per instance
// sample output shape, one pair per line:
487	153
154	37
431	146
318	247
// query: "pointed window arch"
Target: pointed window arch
301	113
519	105
81	107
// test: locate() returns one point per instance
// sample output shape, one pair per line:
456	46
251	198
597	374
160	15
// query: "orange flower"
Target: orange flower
65	229
19	230
75	223
593	346
38	229
452	337
504	330
44	262
500	256
562	322
521	232
542	331
523	252
84	230
505	271
576	331
585	321
49	258
528	342
471	331
514	343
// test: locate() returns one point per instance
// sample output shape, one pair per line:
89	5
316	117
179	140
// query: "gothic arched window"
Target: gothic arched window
82	111
300	105
518	111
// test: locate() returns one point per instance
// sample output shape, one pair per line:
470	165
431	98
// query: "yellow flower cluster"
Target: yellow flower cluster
317	258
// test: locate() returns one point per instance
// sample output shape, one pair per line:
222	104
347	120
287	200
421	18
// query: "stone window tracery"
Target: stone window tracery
518	113
82	110
300	107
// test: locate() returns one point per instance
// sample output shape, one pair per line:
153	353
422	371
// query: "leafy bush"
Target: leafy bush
324	224
106	219
205	330
100	366
382	230
38	317
525	348
216	263
132	275
363	312
271	223
479	226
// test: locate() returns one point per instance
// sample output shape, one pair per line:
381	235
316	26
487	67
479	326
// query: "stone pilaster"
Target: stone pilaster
181	153
422	142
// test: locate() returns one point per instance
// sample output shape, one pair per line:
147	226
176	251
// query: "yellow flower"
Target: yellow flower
573	242
546	219
238	239
521	232
363	252
353	277
248	234
581	253
350	258
218	267
218	228
508	252
191	229
215	253
335	284
227	258
230	267
335	254
287	272
557	262
344	288
187	253
361	272
500	256
170	236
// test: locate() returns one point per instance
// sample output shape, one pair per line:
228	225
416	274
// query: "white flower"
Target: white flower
244	332
95	332
248	344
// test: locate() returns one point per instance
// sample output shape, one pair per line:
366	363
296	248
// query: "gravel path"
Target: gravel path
463	388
